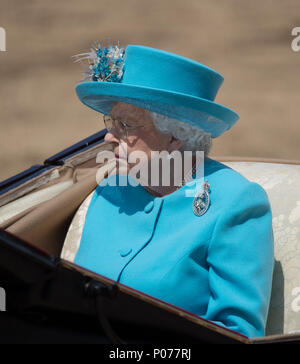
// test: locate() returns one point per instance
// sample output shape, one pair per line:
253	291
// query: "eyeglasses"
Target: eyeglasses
120	126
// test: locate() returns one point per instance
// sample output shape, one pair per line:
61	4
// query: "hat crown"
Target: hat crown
158	69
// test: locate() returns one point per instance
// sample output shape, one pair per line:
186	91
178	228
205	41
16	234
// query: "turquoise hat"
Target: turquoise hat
156	80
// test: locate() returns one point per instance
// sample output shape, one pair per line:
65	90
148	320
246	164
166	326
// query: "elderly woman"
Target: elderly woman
211	255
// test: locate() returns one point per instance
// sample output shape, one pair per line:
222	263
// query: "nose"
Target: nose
111	137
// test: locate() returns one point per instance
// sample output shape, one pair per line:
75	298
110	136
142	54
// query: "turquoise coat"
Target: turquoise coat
218	266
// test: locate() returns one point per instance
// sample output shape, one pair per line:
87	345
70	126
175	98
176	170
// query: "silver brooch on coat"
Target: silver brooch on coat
201	200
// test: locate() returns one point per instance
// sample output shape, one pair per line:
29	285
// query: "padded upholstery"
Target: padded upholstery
282	184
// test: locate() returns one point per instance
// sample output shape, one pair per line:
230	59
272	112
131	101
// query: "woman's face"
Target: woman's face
145	137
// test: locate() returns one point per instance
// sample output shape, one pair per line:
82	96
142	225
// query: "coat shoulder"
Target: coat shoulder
229	183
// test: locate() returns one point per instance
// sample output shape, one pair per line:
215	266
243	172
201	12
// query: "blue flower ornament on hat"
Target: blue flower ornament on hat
154	79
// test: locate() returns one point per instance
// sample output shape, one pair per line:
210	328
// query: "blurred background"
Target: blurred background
248	42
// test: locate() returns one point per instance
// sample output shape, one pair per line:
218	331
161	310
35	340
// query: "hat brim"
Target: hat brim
211	117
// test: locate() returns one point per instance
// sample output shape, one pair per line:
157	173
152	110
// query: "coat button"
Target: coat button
149	207
125	251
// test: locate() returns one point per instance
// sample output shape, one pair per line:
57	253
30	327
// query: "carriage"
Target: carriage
49	299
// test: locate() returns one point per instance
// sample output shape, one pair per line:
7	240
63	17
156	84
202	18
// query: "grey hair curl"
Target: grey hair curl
192	138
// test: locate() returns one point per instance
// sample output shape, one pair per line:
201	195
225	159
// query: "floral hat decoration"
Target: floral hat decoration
156	80
105	63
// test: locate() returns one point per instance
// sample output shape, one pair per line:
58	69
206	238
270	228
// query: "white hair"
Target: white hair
192	138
